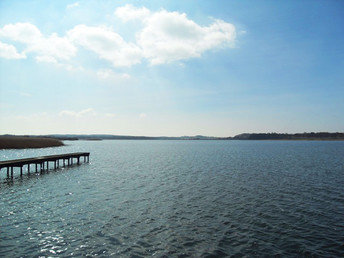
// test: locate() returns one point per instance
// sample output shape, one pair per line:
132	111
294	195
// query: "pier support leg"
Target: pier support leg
28	169
36	167
78	160
64	162
8	172
54	164
21	171
12	172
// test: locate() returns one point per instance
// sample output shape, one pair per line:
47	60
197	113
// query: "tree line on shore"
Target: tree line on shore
286	136
43	141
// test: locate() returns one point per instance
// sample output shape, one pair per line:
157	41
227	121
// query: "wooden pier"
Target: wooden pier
43	162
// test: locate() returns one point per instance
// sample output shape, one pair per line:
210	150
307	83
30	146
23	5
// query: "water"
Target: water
179	198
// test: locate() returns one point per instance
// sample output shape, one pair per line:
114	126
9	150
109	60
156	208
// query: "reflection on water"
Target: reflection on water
197	198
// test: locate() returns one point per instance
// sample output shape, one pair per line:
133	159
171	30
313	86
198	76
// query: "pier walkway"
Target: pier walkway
43	162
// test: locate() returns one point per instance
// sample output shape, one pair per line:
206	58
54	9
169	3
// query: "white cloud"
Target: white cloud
52	60
21	32
129	12
163	38
107	44
108	74
105	73
171	36
46	59
9	52
71	68
76	4
51	47
82	113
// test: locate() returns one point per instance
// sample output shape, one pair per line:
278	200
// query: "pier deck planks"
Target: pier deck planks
41	161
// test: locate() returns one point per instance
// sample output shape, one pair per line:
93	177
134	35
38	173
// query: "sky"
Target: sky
171	68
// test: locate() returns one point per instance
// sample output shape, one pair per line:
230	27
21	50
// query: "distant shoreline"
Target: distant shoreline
320	136
52	140
331	140
28	142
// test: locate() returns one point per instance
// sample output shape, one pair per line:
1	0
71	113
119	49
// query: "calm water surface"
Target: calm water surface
178	198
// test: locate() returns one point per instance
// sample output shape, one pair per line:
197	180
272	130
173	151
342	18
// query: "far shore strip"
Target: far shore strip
23	142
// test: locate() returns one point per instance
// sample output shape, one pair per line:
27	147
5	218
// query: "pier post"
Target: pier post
21	171
78	160
8	172
28	169
11	171
36	167
54	164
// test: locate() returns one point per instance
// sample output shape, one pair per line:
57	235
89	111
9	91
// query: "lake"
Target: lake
178	198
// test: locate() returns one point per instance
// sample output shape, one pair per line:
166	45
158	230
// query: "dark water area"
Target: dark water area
178	198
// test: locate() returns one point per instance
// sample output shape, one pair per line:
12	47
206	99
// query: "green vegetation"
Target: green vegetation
285	136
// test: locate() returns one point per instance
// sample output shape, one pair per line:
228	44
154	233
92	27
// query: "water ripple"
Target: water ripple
179	198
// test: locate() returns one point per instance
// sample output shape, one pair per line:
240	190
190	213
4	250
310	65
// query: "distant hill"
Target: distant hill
124	137
285	136
244	136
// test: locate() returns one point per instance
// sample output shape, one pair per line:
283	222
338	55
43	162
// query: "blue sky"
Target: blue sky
171	67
